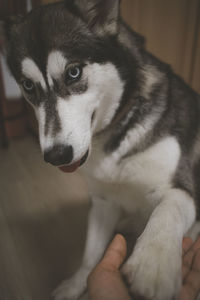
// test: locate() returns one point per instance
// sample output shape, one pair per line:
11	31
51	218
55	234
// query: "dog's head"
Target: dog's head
65	60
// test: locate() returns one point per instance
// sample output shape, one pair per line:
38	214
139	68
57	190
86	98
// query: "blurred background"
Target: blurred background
42	211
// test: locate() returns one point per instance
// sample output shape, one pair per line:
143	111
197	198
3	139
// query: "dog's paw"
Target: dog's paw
154	272
72	288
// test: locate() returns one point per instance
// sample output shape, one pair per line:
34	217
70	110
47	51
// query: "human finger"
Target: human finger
105	281
196	244
115	254
186	245
191	286
189	251
187	262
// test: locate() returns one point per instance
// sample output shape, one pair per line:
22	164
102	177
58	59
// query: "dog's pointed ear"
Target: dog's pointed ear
7	26
3	33
100	15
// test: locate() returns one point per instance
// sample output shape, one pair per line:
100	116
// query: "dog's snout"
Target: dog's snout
59	155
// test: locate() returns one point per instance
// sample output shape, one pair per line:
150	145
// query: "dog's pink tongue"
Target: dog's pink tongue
71	168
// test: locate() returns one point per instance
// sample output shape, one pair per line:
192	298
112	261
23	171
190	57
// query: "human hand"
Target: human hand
106	282
190	270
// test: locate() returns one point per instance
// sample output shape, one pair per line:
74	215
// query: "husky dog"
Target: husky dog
105	104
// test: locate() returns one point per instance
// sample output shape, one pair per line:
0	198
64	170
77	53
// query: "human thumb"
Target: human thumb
115	254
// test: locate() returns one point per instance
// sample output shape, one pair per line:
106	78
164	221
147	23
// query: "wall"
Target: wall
195	75
170	28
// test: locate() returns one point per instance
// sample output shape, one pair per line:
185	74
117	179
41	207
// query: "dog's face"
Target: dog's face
58	57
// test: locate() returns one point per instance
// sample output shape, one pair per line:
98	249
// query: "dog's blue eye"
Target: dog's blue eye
28	86
74	73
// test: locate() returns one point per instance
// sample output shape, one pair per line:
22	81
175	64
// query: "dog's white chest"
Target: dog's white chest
136	180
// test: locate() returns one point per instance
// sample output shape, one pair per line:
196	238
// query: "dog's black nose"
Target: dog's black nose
59	155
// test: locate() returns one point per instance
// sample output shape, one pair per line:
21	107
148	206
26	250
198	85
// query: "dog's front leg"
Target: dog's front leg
103	218
154	268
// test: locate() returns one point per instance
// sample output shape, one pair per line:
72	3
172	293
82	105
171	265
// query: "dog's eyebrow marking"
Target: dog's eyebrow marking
31	71
55	65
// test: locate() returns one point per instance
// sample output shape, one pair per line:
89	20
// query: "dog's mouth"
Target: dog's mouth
73	167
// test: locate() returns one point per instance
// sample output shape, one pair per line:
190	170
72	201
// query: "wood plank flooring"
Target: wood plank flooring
43	215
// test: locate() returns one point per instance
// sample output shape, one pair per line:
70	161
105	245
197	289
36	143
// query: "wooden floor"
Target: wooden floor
43	216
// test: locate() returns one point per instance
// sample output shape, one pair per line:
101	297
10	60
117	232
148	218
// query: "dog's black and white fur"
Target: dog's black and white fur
95	89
